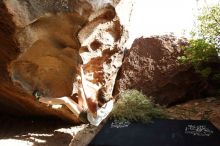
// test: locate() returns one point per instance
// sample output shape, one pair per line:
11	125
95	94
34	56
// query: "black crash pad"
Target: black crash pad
158	133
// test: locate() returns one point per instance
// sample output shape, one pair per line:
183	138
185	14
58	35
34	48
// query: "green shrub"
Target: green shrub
205	72
206	40
216	77
208	25
198	51
134	106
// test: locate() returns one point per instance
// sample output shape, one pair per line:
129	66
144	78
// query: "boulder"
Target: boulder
102	51
151	66
39	49
34	51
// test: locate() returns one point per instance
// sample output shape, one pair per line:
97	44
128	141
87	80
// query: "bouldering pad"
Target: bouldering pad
158	133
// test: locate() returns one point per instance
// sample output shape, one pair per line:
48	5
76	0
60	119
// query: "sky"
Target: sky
158	17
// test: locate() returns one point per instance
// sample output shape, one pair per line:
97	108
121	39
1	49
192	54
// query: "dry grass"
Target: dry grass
134	106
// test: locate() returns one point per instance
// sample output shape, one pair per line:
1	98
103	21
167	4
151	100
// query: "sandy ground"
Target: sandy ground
16	131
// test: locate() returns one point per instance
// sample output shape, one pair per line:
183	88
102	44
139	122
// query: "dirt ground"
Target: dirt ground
20	131
55	132
199	109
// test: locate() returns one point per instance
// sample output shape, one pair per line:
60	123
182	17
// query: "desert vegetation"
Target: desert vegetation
134	106
205	43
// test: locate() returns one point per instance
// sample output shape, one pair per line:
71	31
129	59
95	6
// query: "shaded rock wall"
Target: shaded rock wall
151	66
8	52
20	29
40	50
24	12
49	57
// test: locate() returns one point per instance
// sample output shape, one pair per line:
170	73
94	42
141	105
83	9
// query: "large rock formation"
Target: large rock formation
34	51
43	43
102	50
151	66
39	46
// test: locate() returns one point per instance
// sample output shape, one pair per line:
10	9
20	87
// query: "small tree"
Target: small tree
207	43
208	27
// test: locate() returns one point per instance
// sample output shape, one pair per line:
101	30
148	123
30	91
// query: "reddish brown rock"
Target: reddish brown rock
151	66
31	58
101	50
39	49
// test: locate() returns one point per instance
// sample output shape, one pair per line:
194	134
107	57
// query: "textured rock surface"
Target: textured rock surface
26	39
39	49
101	50
151	66
25	12
49	56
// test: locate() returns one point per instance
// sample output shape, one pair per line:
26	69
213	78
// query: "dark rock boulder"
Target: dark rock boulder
151	66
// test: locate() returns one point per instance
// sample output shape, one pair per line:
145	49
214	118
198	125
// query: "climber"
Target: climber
90	111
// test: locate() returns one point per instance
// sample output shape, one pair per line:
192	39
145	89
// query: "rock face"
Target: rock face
101	50
40	49
151	66
49	56
34	51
